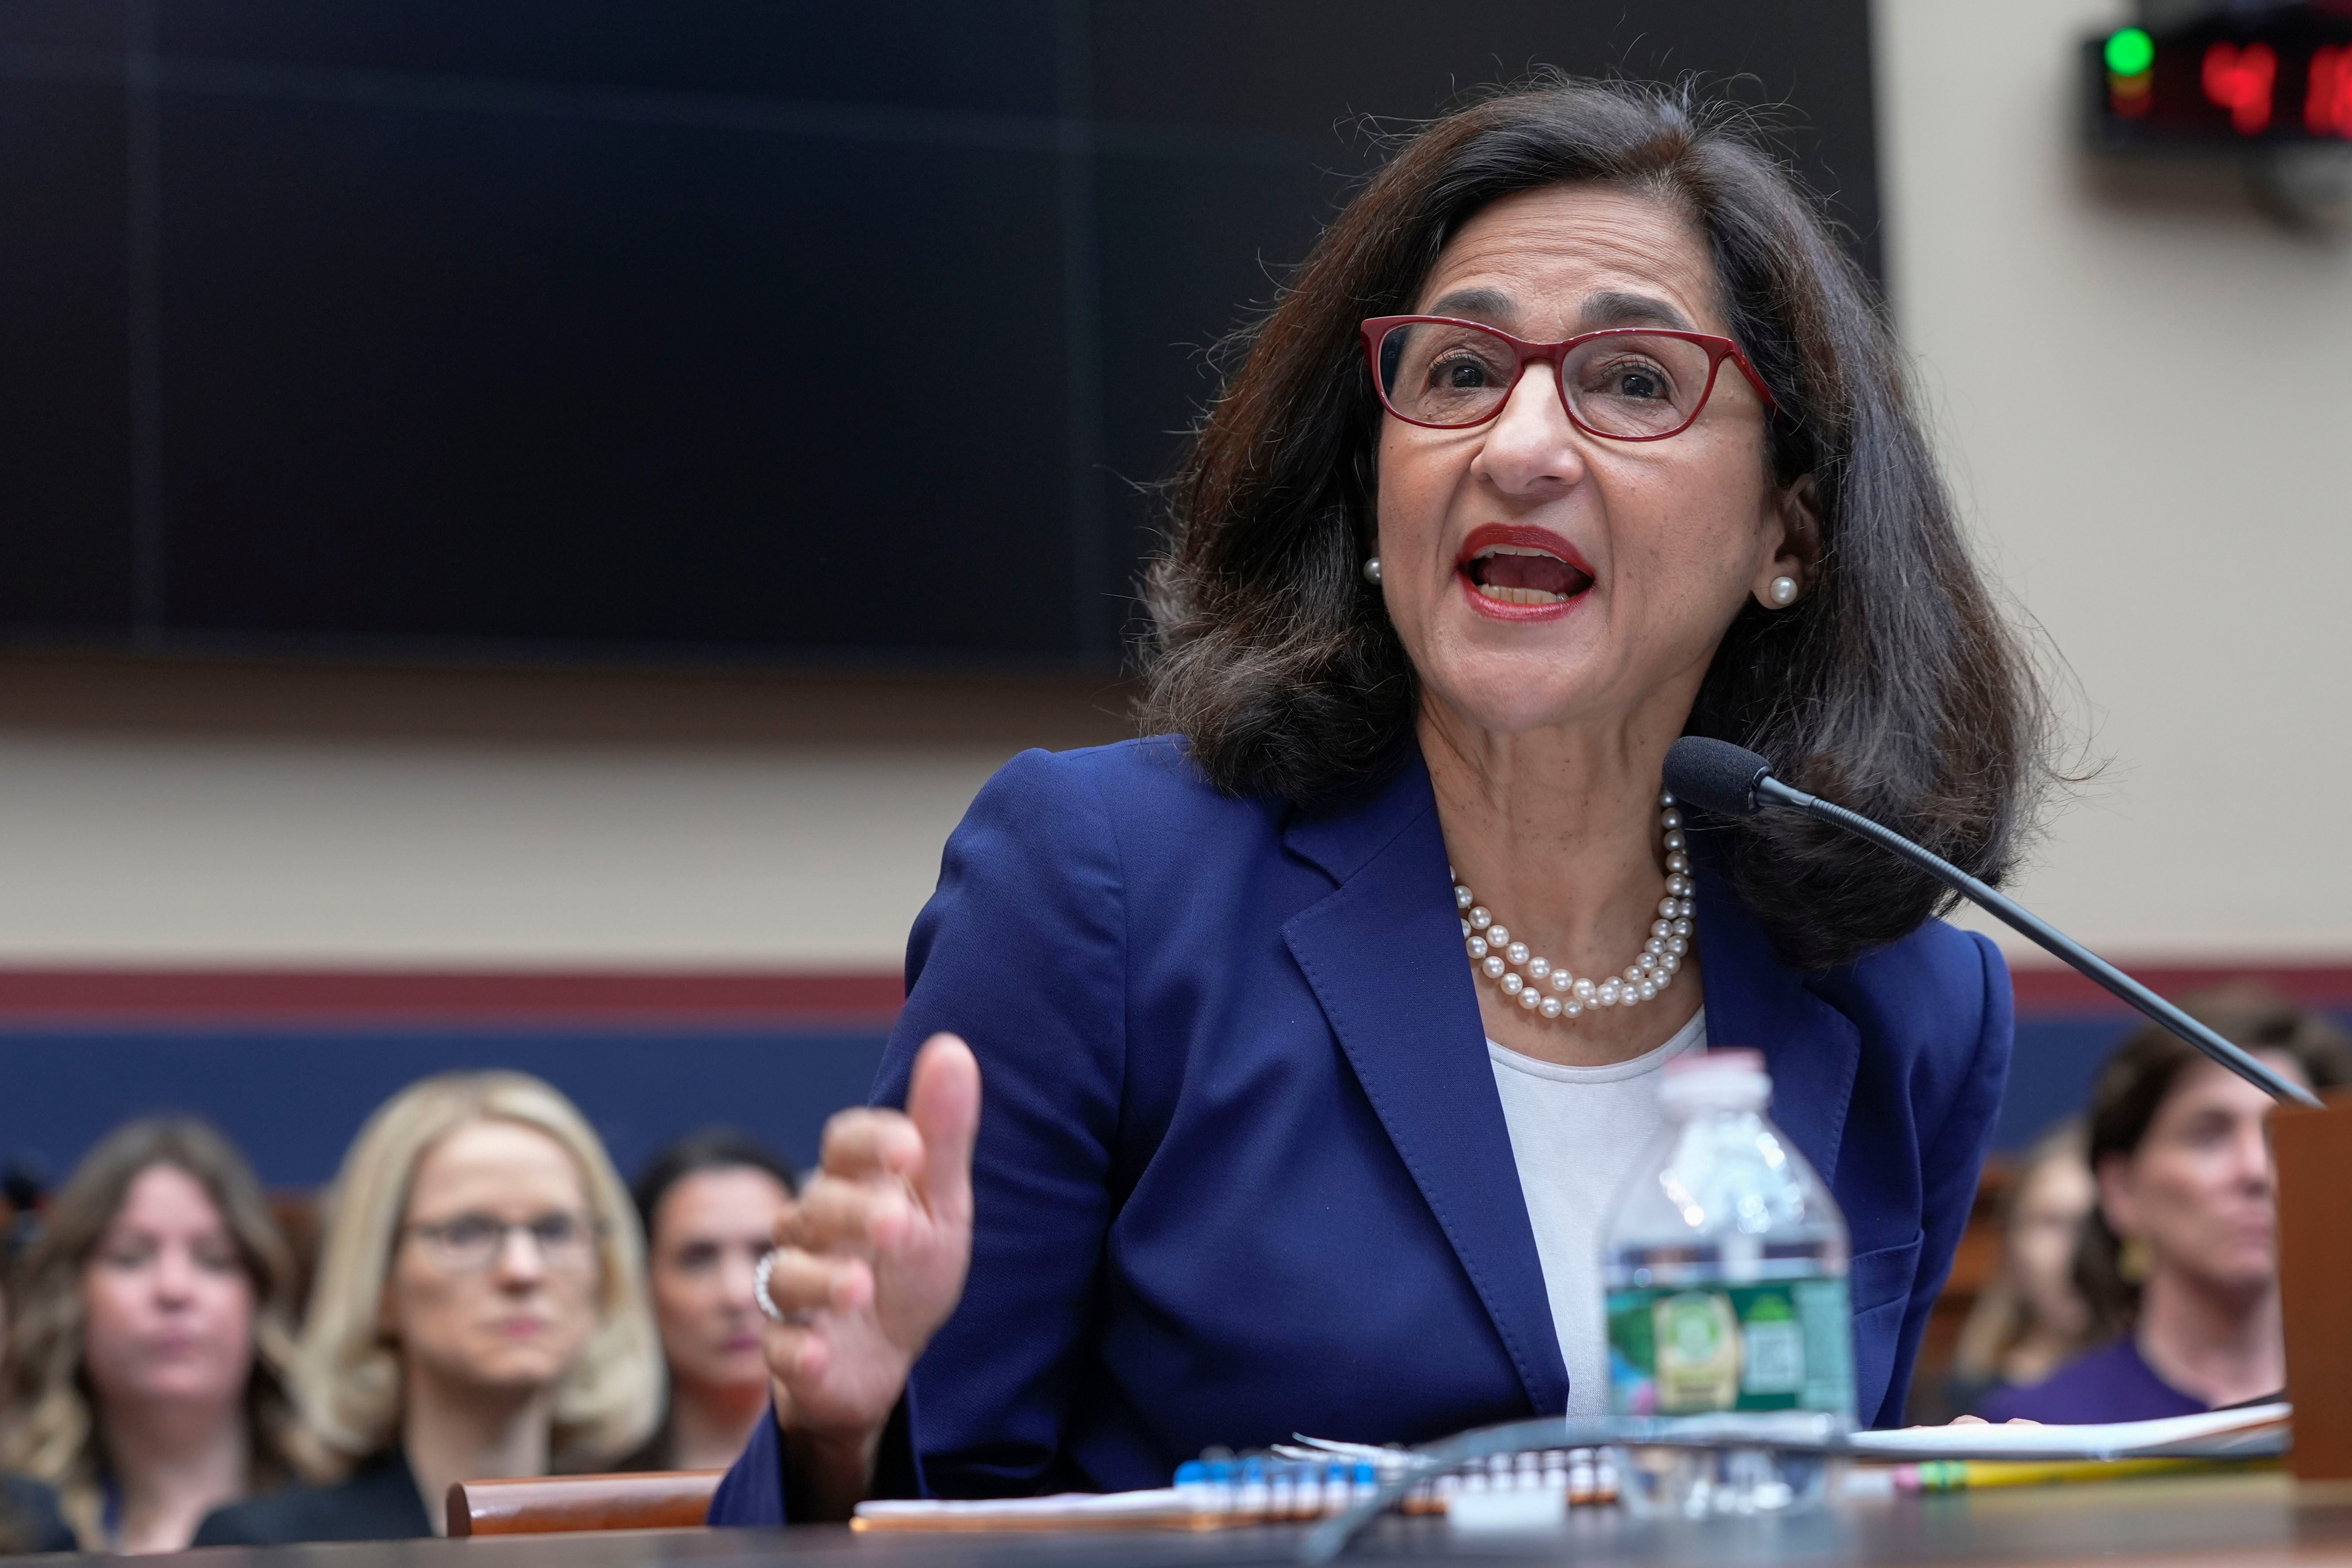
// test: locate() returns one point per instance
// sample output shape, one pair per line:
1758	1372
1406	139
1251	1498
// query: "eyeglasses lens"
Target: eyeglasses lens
1437	373
471	1243
1633	385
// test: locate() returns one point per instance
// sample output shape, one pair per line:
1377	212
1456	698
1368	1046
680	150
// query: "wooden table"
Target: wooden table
2183	1522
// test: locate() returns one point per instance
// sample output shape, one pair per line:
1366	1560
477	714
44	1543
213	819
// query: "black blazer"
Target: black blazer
29	1519
379	1502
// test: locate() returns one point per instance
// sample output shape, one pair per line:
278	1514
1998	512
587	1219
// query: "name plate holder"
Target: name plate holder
2314	1151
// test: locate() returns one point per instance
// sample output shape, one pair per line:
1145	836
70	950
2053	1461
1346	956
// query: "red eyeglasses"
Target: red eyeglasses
1627	383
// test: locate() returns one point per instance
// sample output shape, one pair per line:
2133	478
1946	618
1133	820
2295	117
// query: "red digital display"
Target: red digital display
2240	79
2284	76
2327	97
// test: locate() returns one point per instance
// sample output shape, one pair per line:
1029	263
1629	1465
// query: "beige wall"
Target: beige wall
2145	391
162	851
2144	388
247	816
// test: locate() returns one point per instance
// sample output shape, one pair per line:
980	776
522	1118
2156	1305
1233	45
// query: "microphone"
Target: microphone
1733	781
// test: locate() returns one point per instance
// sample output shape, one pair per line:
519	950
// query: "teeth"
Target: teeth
1514	550
1523	595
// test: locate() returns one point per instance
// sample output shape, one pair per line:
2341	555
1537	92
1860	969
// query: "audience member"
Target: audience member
710	1203
479	1311
152	1322
2179	1261
2032	1318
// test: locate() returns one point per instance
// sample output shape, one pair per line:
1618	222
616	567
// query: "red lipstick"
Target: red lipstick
1495	556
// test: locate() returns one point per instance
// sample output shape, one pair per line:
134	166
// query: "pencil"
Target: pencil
1967	1475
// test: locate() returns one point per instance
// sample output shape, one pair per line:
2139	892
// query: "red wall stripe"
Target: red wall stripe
89	996
842	998
2044	992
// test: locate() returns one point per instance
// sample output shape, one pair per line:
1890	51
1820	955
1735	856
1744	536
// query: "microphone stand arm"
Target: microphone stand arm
1773	791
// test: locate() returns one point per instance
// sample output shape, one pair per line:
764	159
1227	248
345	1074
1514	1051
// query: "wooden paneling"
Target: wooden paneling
654	1500
2313	1149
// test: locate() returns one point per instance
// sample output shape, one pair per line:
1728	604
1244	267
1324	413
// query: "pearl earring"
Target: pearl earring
1783	591
1372	571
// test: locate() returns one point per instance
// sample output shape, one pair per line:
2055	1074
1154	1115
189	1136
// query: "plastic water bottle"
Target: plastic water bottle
1724	1267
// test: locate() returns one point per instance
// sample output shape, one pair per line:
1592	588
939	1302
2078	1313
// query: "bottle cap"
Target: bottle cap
1715	1080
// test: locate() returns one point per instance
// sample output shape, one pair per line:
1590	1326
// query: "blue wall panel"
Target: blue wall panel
2057	1057
292	1097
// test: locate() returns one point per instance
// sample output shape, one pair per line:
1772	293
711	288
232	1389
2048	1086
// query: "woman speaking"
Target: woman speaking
1318	1030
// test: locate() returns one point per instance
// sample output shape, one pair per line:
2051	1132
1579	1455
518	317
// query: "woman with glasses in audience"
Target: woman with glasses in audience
710	1203
479	1311
2179	1261
150	1333
1314	1026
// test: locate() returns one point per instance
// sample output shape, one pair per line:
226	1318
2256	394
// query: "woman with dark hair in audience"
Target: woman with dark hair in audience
153	1327
479	1311
710	1203
1314	1026
2179	1262
2032	1318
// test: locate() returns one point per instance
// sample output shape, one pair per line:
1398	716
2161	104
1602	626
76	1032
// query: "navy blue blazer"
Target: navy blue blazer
1243	1170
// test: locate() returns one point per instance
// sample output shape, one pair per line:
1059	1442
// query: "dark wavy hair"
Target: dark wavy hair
708	1149
1893	686
2140	1076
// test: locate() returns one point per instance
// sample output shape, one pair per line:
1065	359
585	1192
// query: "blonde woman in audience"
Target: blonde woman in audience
152	1322
479	1311
2032	1318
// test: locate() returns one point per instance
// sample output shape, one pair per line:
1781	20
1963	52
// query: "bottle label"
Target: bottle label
1777	1344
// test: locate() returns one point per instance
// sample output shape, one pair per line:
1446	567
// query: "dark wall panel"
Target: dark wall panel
1324	74
65	24
458	376
722	327
1190	243
64	358
998	57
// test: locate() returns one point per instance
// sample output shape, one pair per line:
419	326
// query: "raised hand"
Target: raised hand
869	1263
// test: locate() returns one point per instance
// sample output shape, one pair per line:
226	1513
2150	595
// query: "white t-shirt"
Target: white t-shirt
1575	1134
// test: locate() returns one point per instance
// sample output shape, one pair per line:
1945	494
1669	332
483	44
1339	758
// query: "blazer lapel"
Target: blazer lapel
1384	954
1812	1050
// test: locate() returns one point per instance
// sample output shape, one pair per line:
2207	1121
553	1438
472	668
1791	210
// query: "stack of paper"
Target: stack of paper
1160	1508
2248	1432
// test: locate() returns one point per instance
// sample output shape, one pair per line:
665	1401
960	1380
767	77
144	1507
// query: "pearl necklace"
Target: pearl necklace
1547	988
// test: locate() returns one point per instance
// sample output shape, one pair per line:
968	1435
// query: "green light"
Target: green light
2130	51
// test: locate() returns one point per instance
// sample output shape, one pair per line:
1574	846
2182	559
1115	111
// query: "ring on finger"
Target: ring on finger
799	1319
